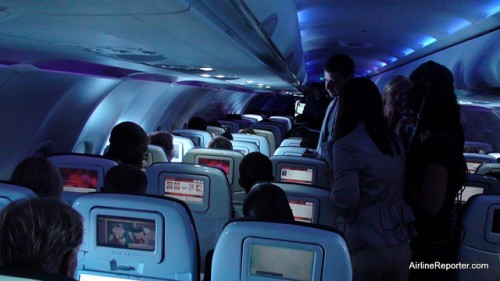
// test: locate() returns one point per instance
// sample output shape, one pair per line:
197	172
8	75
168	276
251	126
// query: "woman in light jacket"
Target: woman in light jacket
368	188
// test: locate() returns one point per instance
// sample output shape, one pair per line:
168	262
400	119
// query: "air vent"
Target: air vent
355	44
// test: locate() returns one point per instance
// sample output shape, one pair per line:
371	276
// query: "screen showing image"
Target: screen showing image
126	233
495	224
187	190
469	191
472	166
296	175
216	163
79	180
302	210
281	262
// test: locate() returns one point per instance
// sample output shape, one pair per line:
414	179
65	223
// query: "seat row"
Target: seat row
140	237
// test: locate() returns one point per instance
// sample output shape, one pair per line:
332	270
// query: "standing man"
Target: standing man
338	70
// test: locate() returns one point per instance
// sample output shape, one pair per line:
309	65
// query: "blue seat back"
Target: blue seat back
301	170
285	120
260	141
206	192
270	138
10	192
244	147
297	252
309	204
474	160
228	160
478	184
82	173
181	146
274	128
294	141
290	151
486	168
480	238
162	246
156	154
232	126
215	131
199	138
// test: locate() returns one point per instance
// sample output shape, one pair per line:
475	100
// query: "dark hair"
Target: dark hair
255	167
436	102
267	201
220	142
128	143
39	234
163	139
125	178
197	123
360	101
340	63
39	175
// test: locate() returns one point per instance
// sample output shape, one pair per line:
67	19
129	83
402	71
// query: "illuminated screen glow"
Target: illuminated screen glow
472	166
281	262
187	190
79	180
126	233
302	210
296	175
216	163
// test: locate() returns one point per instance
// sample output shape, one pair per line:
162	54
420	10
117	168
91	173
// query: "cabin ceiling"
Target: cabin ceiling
257	45
383	34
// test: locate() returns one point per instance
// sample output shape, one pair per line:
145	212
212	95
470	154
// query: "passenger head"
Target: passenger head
360	101
128	143
125	178
395	92
165	140
220	142
255	167
338	70
40	234
267	201
197	123
436	102
39	175
248	131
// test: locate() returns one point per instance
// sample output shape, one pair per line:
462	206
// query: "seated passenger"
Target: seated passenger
164	140
128	144
248	131
197	123
39	175
220	142
125	178
267	201
255	167
41	234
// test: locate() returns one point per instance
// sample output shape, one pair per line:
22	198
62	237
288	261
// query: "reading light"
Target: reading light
219	76
206	69
205	75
